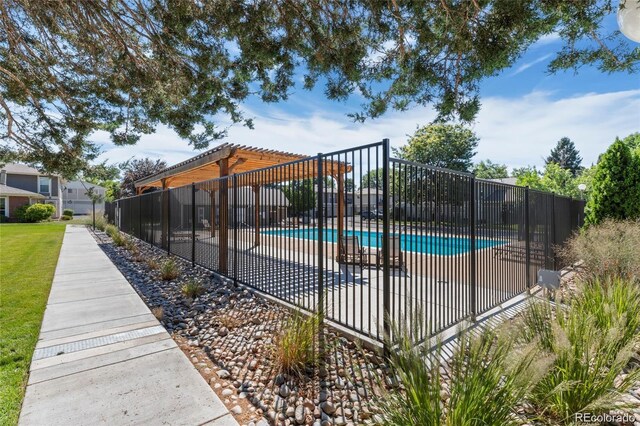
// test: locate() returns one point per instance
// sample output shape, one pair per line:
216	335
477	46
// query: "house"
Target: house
369	199
21	184
74	197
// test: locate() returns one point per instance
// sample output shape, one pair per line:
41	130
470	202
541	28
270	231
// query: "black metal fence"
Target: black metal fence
368	239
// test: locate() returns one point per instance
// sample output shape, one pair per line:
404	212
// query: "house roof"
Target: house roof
239	159
22	169
79	184
507	180
370	191
10	191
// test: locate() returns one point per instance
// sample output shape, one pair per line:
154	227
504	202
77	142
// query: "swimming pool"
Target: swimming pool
426	244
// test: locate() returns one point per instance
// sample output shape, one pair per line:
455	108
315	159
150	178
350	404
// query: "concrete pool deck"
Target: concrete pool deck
102	357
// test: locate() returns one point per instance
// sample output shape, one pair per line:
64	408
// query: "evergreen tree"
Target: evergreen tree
616	186
566	156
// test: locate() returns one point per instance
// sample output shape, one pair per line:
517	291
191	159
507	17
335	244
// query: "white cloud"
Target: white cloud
516	132
547	39
528	65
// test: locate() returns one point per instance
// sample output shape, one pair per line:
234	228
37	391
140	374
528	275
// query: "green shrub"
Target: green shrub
610	249
616	186
3	218
67	212
20	213
294	346
192	289
487	379
34	212
169	270
66	217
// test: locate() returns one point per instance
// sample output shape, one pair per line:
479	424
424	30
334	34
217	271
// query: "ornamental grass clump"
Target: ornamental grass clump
169	270
482	384
192	289
294	348
111	230
592	341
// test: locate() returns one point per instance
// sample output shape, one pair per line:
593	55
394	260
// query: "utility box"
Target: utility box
549	279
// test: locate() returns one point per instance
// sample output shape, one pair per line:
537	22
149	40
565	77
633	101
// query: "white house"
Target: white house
74	197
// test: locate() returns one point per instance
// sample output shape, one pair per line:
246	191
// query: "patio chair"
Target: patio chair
351	252
396	257
290	222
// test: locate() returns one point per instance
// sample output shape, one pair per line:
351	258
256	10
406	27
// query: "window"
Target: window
44	185
4	207
70	191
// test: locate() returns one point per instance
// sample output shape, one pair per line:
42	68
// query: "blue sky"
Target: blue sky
524	112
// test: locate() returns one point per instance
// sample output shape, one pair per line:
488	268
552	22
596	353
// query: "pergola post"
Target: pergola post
223	235
256	202
212	214
164	233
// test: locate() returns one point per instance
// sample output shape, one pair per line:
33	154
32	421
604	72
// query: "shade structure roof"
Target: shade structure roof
229	159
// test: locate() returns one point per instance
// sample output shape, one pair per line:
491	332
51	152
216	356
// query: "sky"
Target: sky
525	111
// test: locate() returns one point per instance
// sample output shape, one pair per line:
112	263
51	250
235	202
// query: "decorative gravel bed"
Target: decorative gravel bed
229	334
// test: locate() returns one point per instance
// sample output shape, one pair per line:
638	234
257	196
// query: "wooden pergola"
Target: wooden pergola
229	159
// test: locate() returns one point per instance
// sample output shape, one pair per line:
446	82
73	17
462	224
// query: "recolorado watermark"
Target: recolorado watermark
604	418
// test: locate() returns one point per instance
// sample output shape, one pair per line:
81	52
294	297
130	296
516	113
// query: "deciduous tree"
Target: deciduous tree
136	169
442	145
490	170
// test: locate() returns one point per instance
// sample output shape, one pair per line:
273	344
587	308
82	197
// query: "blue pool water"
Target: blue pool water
426	244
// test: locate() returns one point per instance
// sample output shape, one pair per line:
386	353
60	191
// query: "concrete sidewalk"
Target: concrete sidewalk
102	357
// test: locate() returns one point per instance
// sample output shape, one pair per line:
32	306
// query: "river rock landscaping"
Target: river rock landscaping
229	332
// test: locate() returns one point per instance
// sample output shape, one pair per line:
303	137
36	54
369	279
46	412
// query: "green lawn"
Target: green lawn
28	257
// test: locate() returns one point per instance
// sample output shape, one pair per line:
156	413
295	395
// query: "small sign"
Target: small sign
549	279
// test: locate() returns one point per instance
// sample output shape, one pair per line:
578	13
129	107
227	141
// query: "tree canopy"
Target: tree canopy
487	169
69	68
450	146
136	169
566	156
616	186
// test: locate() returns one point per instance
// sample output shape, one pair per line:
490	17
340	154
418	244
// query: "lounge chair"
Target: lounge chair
290	222
351	252
396	257
205	224
519	252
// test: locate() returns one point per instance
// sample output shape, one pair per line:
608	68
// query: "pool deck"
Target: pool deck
437	287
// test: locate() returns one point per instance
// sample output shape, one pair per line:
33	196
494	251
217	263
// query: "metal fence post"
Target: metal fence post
553	228
168	221
193	224
320	307
140	217
472	242
320	217
235	229
527	240
386	265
